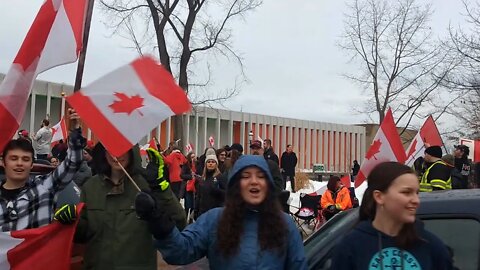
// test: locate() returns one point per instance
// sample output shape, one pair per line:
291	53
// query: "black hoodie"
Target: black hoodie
360	250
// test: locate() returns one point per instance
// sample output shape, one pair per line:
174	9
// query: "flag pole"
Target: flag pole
83	52
127	174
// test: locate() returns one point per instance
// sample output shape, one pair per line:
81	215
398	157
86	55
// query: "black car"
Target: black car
454	216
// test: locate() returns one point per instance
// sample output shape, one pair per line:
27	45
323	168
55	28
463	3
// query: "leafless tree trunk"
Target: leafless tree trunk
183	29
401	65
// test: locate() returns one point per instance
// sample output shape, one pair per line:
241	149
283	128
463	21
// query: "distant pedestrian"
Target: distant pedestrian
355	170
269	153
42	140
462	164
287	165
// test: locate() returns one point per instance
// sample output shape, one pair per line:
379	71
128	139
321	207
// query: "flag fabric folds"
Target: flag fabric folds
55	38
427	135
59	131
124	105
386	146
45	248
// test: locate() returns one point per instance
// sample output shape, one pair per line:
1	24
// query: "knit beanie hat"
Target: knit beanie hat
210	151
434	151
449	159
211	157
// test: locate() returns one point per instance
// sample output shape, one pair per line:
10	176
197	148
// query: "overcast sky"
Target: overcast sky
289	48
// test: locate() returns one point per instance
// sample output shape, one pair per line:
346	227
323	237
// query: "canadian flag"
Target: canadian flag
124	105
211	141
386	146
45	248
150	144
188	148
427	135
55	38
59	131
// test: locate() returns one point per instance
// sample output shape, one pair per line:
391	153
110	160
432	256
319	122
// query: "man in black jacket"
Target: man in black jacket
462	164
288	164
269	154
257	149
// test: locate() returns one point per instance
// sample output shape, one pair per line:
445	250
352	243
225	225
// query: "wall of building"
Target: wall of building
334	145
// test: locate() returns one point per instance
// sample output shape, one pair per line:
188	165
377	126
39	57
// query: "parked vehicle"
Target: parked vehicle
454	216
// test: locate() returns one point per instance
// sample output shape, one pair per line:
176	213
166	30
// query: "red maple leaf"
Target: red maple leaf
374	149
126	104
412	149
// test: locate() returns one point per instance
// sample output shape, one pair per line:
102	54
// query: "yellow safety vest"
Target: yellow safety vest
426	186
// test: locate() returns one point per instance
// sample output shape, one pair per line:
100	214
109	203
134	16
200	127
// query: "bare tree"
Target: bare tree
465	79
401	63
183	32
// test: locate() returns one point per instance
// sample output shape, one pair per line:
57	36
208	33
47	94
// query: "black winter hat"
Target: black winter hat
434	151
237	147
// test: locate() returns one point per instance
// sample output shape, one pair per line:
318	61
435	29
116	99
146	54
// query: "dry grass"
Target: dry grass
301	181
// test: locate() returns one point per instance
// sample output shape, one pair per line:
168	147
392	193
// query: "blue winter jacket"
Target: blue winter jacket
198	240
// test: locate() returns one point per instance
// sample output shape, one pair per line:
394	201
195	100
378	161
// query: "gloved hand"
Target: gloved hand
331	208
154	170
147	208
67	214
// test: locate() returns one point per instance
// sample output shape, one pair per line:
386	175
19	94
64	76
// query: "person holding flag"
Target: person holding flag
27	202
114	236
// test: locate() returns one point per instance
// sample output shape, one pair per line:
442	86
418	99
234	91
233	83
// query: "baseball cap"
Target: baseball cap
256	144
464	148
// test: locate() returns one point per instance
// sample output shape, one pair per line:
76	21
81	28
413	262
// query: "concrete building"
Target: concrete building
334	145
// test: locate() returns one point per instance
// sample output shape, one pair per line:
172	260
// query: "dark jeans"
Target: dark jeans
175	186
290	178
44	157
189	201
328	215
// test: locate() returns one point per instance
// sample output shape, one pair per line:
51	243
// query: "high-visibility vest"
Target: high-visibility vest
426	186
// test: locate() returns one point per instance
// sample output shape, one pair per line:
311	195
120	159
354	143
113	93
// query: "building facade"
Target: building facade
333	145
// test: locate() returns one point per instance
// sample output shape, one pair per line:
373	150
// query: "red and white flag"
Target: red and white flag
211	141
124	105
386	146
427	135
188	148
55	38
150	144
45	248
59	131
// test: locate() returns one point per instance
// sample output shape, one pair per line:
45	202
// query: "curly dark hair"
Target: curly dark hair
272	228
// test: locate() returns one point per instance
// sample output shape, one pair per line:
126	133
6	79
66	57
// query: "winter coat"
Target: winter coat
210	193
115	238
83	173
288	164
270	155
186	176
174	162
199	238
276	174
360	250
340	198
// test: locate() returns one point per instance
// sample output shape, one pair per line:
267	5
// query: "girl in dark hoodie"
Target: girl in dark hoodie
387	236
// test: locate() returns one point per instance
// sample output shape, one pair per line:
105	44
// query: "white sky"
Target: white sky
289	48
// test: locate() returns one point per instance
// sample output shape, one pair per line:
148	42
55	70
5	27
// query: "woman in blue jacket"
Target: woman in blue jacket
250	232
388	236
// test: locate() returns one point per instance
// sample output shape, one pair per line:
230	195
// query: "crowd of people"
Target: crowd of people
231	212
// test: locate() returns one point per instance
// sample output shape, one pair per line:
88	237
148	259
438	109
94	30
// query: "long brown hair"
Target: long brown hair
272	228
381	178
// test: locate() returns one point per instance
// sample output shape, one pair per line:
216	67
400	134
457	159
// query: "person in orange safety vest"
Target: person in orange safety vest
336	198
